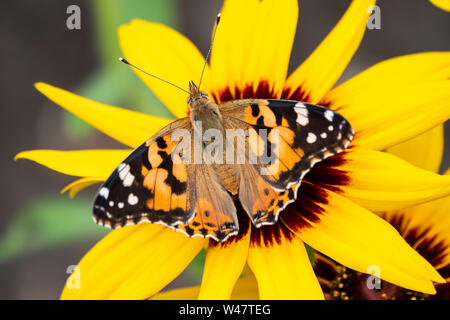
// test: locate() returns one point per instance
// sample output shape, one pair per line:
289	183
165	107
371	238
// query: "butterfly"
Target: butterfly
258	154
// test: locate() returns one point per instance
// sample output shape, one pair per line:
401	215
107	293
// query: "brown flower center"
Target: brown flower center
354	285
341	283
306	208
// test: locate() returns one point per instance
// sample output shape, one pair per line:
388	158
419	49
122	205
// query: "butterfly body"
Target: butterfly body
253	151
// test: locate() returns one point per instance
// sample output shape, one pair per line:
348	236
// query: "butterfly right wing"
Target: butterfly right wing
215	212
297	135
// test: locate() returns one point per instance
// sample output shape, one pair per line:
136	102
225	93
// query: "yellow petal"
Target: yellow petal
424	151
79	185
432	222
126	126
436	225
362	241
84	163
223	266
427	228
253	43
407	69
134	262
166	53
433	214
324	66
379	181
443	4
283	270
246	288
189	293
383	116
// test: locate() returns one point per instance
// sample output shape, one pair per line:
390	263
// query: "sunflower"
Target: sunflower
425	227
387	104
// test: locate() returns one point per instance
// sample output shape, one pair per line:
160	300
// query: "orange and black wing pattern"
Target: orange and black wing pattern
288	138
148	186
215	212
154	184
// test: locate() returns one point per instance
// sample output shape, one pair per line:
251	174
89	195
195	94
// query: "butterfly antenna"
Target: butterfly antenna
209	50
151	75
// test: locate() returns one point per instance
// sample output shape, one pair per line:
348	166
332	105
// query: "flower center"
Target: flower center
349	284
306	209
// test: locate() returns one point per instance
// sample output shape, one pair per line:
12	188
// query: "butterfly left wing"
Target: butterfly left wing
295	136
148	186
155	185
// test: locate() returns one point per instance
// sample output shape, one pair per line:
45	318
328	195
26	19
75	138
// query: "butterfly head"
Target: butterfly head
196	97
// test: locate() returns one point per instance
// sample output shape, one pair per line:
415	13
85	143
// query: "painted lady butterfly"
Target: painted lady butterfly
159	182
198	199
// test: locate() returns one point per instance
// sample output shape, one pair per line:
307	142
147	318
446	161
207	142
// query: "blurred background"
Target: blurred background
43	232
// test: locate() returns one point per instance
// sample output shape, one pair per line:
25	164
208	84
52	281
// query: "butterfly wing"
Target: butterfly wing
292	136
152	185
215	213
147	186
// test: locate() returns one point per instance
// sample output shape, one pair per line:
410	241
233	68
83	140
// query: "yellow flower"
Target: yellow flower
443	4
425	227
246	288
387	104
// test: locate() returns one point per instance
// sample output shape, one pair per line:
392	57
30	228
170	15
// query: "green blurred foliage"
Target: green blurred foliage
49	222
114	83
196	267
311	254
56	220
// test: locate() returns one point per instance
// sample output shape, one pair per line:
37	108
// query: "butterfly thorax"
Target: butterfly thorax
203	113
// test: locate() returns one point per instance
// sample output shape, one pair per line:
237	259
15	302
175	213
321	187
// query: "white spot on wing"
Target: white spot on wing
311	138
132	199
128	181
111	203
302	114
104	192
120	205
330	128
121	166
123	170
125	175
329	115
323	135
